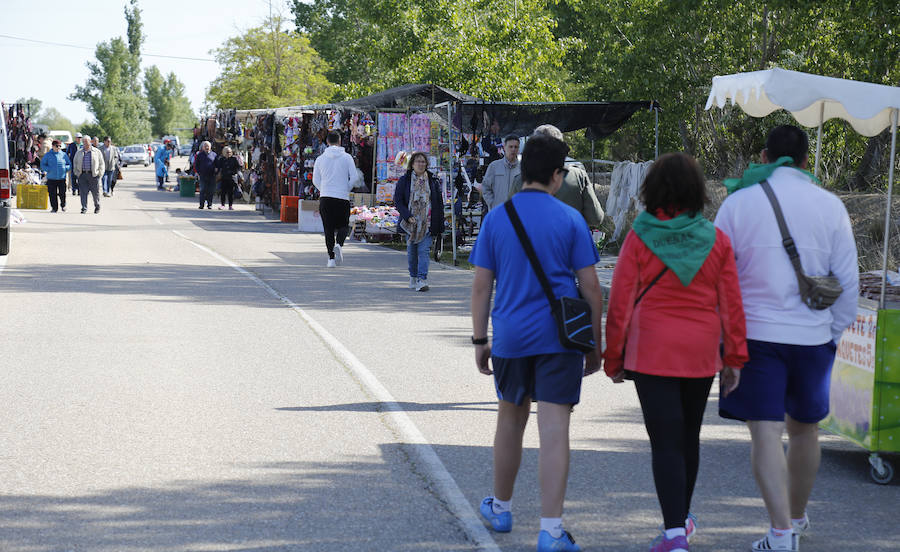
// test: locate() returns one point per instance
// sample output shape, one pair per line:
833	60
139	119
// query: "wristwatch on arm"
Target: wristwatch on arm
479	340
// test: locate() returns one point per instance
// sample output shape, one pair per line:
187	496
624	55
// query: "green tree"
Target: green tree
493	50
56	120
268	67
169	108
112	90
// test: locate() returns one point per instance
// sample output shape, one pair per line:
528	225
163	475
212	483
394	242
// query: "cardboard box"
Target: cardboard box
357	199
308	217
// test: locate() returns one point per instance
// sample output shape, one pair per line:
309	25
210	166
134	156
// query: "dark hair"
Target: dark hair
333	138
541	157
105	138
787	140
510	137
412	159
674	183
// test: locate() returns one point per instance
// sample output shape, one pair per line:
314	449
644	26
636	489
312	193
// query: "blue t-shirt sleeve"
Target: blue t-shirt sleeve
584	251
482	252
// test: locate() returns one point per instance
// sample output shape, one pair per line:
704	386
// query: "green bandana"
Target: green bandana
681	243
759	172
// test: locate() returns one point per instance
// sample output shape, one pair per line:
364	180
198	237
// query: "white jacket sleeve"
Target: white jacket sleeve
845	265
317	174
352	176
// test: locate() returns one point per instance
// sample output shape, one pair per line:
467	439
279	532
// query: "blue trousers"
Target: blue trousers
107	181
417	257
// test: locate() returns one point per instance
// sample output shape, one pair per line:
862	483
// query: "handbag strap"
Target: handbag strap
529	251
786	240
646	289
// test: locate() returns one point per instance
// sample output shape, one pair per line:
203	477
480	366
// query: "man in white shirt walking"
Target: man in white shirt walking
786	383
334	174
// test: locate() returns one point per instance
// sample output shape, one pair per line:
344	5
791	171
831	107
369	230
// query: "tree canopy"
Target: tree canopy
112	91
169	108
268	67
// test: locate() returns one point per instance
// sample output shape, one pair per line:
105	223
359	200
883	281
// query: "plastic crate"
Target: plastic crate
32	196
187	186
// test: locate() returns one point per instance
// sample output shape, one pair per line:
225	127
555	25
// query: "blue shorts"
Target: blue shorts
554	378
782	379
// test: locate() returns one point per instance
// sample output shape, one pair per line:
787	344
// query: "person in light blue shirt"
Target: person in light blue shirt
160	159
57	165
527	360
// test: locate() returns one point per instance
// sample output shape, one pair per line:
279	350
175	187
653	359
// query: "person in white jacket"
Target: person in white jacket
785	384
334	175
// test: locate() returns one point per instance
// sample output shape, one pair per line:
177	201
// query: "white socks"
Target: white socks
553	526
781	537
500	506
675	532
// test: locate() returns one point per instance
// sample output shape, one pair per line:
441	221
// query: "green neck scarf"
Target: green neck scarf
681	243
757	172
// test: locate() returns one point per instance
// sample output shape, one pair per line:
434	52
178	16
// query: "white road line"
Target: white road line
435	470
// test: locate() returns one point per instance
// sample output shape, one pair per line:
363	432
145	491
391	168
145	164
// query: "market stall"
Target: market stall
865	379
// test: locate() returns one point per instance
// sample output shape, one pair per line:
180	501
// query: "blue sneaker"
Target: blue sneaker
502	523
565	543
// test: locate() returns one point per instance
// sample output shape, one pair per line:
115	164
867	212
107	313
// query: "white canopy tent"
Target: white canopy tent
812	99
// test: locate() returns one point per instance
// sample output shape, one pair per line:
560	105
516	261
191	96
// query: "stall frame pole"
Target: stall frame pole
819	138
451	183
887	210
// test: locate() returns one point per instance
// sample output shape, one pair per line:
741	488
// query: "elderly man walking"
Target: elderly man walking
89	168
71	149
205	165
791	342
111	159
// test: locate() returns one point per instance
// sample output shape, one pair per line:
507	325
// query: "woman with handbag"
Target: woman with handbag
228	168
674	298
421	207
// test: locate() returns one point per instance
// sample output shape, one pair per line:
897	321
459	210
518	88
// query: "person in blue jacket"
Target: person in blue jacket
420	203
162	170
57	165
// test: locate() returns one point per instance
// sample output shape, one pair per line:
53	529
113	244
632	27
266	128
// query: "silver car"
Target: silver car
135	155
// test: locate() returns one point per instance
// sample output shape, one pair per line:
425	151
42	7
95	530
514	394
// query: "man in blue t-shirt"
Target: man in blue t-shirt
529	362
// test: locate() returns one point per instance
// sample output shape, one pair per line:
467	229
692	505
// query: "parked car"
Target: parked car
135	155
5	189
63	136
185	149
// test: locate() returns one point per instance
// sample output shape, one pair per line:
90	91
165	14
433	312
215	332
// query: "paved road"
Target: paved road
176	379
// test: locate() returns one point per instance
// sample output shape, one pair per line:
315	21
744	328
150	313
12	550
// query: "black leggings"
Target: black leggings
673	412
227	191
335	214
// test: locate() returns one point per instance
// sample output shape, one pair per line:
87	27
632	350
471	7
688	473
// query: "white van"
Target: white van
5	189
63	136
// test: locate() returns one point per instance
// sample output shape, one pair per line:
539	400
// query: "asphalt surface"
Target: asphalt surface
176	379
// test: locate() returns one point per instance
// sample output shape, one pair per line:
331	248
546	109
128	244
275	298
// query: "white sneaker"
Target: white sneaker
421	284
802	527
330	264
338	254
765	544
412	282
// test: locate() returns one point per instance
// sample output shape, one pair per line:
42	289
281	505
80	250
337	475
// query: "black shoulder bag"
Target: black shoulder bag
817	292
572	314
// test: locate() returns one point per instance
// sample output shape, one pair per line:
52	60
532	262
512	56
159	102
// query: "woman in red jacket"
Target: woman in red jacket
674	299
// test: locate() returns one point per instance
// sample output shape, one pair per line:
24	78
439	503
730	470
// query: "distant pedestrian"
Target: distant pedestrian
577	190
334	174
420	203
674	294
786	383
89	168
111	159
227	167
205	165
529	362
95	142
57	166
161	164
71	149
498	179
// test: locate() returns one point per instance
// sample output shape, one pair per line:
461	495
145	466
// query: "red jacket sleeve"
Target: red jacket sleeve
731	307
621	305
